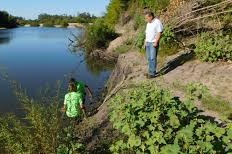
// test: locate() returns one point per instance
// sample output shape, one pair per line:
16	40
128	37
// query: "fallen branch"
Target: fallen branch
113	92
202	17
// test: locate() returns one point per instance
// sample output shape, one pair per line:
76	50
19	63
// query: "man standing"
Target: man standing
154	31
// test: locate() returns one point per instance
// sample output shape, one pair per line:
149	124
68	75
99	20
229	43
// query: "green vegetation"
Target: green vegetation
155	5
115	10
7	20
152	121
63	20
42	130
98	36
214	47
198	91
127	46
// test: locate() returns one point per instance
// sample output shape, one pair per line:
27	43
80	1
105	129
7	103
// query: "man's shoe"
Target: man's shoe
149	76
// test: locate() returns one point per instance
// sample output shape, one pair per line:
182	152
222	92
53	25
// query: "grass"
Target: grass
208	101
217	104
126	47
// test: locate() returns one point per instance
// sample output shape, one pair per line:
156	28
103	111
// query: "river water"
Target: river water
39	57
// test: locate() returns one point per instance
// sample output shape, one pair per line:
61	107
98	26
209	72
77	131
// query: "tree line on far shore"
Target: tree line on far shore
7	20
10	21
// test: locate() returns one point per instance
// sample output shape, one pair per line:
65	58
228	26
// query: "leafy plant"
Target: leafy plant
152	121
139	22
155	5
214	47
196	90
40	131
168	36
114	10
98	36
139	43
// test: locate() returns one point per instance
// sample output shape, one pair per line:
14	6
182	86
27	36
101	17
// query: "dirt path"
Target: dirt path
130	70
179	68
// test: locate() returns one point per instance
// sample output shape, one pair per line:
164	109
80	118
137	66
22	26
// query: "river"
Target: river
38	57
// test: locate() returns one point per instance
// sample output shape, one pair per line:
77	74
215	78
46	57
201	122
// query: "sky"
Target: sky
30	9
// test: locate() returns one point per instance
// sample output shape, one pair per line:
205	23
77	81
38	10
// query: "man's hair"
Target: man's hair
72	80
150	14
72	87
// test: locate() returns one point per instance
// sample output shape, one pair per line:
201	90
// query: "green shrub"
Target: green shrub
168	36
49	24
114	10
155	5
98	36
41	131
139	22
152	121
64	24
214	47
198	91
140	39
168	43
127	46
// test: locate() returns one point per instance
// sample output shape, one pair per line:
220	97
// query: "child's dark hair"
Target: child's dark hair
72	87
72	80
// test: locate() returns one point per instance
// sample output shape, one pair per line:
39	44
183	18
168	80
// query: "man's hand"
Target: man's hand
155	44
144	45
63	109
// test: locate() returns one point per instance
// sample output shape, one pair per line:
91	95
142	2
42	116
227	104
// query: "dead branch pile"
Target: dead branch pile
191	15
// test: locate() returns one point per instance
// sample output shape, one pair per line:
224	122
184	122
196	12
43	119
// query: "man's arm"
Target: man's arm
83	110
64	108
157	39
89	91
159	30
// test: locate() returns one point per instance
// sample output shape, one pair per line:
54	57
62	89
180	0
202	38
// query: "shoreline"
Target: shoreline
1	28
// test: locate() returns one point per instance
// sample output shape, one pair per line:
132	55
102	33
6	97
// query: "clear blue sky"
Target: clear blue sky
30	9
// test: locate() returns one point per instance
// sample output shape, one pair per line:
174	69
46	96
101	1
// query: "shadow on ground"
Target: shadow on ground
178	61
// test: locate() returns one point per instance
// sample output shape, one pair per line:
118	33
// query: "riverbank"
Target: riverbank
180	72
2	28
69	25
129	72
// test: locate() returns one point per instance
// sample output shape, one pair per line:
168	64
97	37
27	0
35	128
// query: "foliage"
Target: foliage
152	121
168	36
7	20
139	22
198	91
214	47
155	5
69	145
139	43
98	36
50	20
127	46
168	43
114	10
41	131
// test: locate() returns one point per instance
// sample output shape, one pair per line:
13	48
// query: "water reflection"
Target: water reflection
5	36
96	66
36	57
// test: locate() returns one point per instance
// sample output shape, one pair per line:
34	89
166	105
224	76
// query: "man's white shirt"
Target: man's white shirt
152	29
